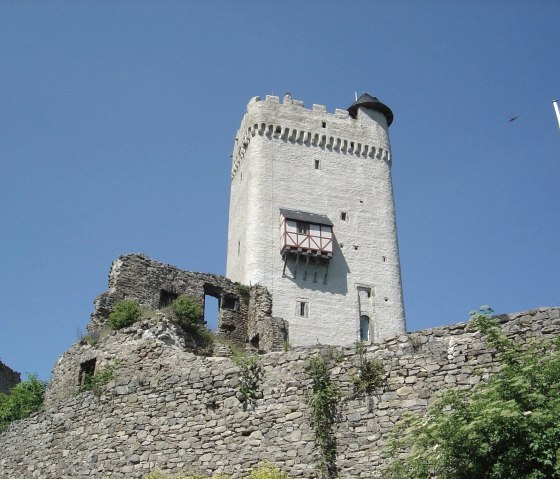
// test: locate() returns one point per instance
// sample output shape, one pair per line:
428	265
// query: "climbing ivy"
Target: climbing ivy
249	376
370	373
324	400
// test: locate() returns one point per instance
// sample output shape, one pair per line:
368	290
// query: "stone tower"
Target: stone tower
312	218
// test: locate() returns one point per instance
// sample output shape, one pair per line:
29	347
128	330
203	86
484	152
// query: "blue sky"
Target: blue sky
118	118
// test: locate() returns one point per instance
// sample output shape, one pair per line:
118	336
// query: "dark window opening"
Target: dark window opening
343	215
278	129
324	124
255	341
302	309
302	228
230	302
87	370
166	298
227	327
317	163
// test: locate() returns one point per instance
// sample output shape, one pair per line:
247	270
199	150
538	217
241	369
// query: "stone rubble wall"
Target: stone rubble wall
8	378
135	276
168	409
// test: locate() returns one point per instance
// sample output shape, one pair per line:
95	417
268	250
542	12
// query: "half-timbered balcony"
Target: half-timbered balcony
305	233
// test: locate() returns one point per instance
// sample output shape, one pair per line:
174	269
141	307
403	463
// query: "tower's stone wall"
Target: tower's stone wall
8	378
169	409
288	156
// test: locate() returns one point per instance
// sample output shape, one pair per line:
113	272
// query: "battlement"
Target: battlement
336	132
289	101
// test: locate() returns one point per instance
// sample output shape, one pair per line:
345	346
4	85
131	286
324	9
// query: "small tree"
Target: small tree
507	427
187	313
126	313
23	399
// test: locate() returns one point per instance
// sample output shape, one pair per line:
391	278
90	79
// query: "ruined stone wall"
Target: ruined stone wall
169	409
8	378
154	284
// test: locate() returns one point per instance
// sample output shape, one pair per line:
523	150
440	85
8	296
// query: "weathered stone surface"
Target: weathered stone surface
245	314
172	410
8	378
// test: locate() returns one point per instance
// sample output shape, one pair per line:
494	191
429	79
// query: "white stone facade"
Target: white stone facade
329	164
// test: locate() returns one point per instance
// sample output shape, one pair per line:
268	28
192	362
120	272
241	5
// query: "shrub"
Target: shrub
370	373
265	470
268	470
94	382
506	427
243	289
24	399
126	312
249	376
187	313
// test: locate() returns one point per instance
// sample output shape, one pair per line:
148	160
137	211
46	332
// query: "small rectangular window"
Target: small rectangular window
166	298
87	370
302	228
324	124
317	164
302	309
343	215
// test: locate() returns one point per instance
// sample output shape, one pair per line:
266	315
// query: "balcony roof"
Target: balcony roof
305	216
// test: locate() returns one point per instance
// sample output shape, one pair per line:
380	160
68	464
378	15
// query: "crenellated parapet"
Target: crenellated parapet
336	132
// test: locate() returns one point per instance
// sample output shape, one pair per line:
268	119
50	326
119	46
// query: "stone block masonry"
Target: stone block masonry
243	311
8	378
244	318
171	410
334	168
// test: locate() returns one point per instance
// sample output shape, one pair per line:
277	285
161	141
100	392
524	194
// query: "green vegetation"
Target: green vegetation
187	313
507	427
324	403
91	338
126	313
370	373
22	400
94	382
264	471
243	289
249	375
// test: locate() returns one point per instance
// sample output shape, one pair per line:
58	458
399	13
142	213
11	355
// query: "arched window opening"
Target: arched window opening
364	328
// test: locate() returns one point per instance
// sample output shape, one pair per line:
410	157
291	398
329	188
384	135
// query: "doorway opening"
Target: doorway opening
211	308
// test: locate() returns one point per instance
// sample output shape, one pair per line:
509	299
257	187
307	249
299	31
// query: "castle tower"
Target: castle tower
312	218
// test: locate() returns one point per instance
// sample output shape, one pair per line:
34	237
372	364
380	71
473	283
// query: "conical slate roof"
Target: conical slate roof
372	103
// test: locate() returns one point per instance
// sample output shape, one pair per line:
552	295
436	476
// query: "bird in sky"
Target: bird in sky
513	118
